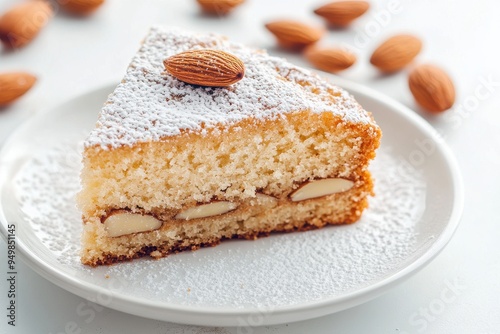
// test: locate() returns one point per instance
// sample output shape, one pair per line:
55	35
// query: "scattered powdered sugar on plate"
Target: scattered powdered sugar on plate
281	270
46	189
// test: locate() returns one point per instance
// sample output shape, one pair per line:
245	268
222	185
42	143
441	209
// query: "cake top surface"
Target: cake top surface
150	104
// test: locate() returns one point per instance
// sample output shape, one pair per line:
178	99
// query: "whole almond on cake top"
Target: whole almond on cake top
342	13
396	53
13	85
294	35
432	88
330	59
206	67
23	22
219	7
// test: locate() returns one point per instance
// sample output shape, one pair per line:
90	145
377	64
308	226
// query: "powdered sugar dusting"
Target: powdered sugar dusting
150	105
281	270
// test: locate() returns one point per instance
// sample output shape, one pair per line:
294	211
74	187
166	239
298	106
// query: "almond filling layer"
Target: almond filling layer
122	222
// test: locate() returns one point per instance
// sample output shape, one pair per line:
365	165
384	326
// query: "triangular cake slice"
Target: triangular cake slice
172	166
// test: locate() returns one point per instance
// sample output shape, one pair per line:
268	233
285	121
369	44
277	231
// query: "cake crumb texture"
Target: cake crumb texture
273	157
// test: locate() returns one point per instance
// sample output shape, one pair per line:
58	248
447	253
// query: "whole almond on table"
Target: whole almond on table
396	53
294	35
219	7
14	85
206	67
23	22
330	59
80	7
342	13
432	88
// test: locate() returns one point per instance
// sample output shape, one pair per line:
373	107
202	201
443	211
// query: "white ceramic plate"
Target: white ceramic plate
282	278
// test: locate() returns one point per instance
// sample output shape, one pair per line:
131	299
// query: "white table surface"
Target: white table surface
459	292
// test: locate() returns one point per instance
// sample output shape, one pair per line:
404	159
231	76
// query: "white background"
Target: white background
74	55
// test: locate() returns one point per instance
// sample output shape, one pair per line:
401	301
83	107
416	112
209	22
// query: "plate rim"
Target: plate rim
230	316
